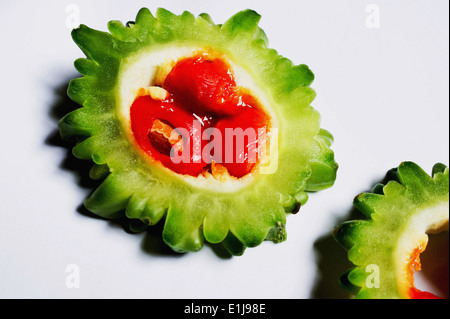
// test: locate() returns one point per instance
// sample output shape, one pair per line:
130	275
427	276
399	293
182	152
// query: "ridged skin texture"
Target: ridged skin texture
149	193
397	212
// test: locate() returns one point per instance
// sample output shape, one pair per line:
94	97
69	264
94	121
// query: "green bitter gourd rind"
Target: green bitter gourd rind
238	219
399	216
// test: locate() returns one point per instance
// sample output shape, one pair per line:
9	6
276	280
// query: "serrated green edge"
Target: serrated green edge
372	241
187	220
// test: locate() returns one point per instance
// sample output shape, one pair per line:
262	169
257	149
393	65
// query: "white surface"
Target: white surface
382	92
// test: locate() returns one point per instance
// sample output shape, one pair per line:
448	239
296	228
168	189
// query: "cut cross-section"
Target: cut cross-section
400	217
153	85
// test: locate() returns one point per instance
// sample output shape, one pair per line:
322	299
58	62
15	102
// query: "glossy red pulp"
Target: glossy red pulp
202	95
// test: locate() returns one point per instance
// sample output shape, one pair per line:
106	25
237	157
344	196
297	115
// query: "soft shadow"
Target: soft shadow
152	242
332	262
62	106
332	257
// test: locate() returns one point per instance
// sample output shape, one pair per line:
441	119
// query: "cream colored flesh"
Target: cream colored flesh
427	221
144	70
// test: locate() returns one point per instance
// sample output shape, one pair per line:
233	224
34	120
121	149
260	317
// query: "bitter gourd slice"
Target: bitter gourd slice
238	212
385	247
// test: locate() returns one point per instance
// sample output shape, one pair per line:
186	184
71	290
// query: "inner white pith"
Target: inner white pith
428	221
144	70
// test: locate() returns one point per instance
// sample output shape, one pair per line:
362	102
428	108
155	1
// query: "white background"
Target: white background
382	92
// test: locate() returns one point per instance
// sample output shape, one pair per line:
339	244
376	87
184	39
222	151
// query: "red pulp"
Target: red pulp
415	265
202	95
